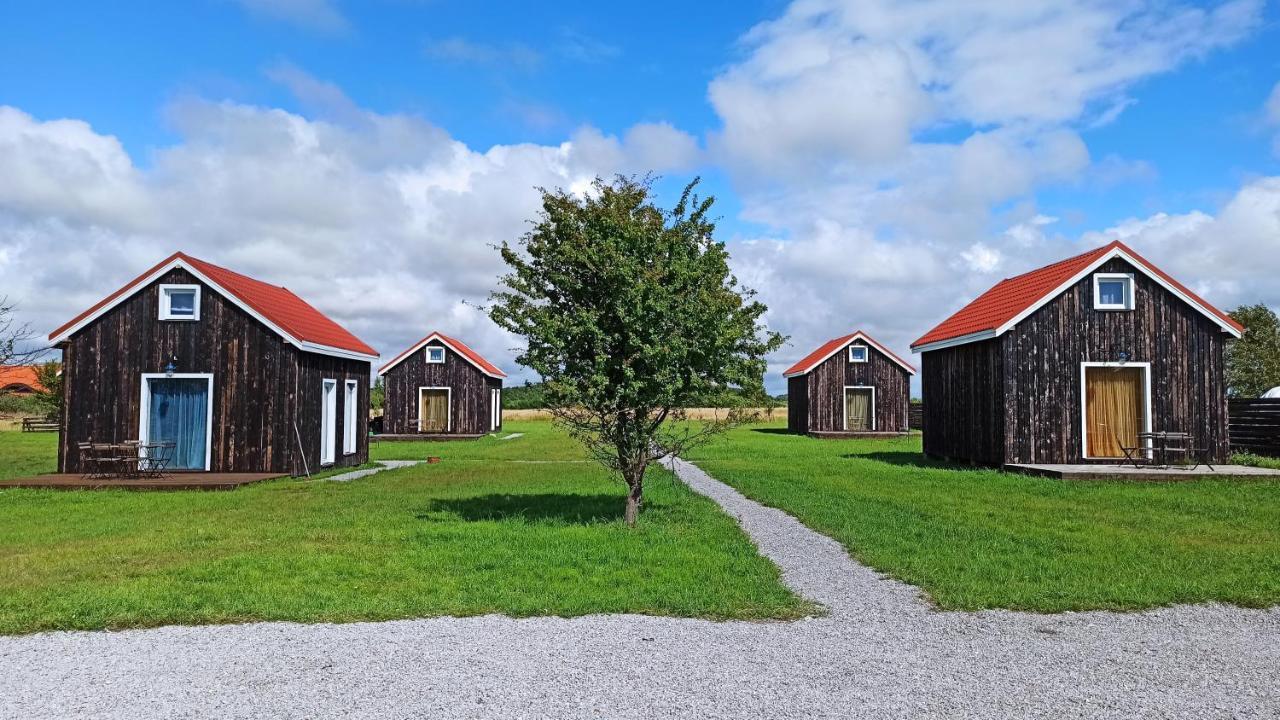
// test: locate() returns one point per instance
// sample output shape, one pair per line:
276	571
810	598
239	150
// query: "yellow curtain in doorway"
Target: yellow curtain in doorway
1113	410
857	409
433	411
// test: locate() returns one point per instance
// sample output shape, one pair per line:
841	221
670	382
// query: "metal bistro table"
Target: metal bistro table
1164	443
129	459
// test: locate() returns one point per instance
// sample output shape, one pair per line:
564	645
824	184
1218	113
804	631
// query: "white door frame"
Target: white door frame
495	408
1084	402
144	409
844	405
350	420
328	421
448	405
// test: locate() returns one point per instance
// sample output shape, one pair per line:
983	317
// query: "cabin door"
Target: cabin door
1115	409
176	409
433	410
858	407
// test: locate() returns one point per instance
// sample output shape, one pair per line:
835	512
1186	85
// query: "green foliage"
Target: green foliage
473	535
1255	460
976	539
377	395
50	376
530	396
630	313
1253	361
26	405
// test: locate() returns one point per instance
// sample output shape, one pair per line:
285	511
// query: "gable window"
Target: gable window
179	302
435	354
1112	291
858	353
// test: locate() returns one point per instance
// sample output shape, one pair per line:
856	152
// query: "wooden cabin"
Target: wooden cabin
242	376
851	386
1068	364
440	387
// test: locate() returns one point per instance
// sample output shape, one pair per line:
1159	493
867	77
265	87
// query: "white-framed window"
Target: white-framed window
1112	291
858	353
350	420
435	354
328	419
179	302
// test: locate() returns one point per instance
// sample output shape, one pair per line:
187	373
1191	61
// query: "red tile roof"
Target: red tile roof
831	347
19	375
289	313
457	346
1011	297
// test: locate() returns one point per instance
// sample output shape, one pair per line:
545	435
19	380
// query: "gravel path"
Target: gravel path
881	653
357	474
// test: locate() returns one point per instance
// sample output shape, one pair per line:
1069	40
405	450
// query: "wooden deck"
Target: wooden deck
175	481
1156	474
842	435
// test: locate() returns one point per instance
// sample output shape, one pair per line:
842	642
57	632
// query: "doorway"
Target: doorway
1117	406
177	409
859	409
433	410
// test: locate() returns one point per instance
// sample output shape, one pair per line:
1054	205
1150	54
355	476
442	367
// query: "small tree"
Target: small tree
49	375
629	312
16	338
1253	361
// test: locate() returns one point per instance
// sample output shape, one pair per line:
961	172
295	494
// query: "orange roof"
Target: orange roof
457	346
19	375
285	312
831	347
992	311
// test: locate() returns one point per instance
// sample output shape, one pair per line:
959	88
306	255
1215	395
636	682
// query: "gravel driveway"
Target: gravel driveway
881	653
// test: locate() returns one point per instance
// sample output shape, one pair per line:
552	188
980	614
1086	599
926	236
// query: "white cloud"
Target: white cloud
317	15
385	222
469	52
1271	113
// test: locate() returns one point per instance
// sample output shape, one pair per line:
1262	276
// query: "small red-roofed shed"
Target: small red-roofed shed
850	386
441	387
1075	362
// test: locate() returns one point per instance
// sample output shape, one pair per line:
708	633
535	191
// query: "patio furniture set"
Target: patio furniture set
1166	449
128	459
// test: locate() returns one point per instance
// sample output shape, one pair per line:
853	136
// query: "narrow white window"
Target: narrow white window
328	420
435	354
350	420
179	302
858	353
495	408
1112	291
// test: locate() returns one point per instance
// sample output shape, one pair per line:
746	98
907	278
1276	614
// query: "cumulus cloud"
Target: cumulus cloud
385	222
1271	113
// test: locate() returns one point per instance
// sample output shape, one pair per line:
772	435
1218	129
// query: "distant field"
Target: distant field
478	533
984	539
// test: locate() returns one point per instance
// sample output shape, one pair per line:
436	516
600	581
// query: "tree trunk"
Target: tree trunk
635	493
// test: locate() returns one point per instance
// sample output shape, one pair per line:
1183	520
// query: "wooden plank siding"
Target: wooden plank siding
963	388
257	383
469	402
1255	425
824	386
1028	380
798	404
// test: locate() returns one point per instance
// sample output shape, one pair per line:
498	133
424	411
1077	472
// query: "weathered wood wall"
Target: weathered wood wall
1255	426
962	389
798	404
1042	357
261	385
915	416
826	384
469	402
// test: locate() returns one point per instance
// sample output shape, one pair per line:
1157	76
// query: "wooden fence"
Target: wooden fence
915	416
1255	426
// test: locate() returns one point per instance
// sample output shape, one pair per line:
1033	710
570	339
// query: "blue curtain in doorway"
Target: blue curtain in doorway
180	414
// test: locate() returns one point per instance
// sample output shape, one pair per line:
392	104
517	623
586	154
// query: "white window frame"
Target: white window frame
1126	278
448	394
328	421
1084	404
432	348
495	408
350	421
866	354
144	409
167	290
844	405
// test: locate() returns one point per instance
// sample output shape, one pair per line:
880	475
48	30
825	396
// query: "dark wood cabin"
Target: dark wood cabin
441	387
1069	363
851	386
240	375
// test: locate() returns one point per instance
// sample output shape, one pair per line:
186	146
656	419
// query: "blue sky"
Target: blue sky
913	146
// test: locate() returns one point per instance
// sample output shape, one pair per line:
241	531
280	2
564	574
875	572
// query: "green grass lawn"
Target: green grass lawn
474	534
23	454
984	539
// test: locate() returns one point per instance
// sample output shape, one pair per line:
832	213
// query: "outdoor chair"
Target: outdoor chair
1133	455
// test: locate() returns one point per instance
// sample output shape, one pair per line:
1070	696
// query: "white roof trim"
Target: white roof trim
179	263
1053	294
856	336
423	343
